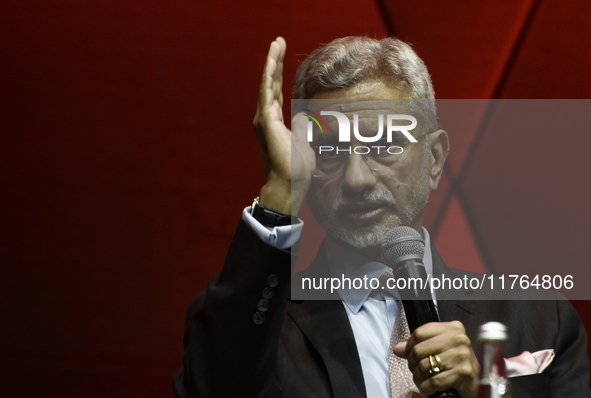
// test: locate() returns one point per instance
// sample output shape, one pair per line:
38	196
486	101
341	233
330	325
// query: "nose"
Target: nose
357	174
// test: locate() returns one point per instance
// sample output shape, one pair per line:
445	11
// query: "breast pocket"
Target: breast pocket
531	386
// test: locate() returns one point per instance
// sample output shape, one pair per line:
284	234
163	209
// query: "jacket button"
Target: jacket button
258	318
272	280
263	305
268	292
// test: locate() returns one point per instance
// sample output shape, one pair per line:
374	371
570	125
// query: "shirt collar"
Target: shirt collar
345	264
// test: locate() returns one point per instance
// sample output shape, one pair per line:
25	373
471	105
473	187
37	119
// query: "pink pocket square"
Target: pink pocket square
528	363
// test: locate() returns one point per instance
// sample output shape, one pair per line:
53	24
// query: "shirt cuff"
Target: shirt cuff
282	237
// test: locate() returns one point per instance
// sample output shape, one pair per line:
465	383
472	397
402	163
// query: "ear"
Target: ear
439	147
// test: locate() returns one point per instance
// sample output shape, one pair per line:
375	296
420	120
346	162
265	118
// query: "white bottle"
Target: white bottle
493	381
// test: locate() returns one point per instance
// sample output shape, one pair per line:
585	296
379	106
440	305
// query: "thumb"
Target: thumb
400	349
299	128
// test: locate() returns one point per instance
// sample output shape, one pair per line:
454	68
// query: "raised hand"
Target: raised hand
288	169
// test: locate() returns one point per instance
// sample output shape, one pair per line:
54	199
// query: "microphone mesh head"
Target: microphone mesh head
392	252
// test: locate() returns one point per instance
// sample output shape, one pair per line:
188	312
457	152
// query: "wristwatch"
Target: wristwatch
270	218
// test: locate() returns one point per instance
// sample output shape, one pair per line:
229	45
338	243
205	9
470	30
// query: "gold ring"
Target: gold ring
436	365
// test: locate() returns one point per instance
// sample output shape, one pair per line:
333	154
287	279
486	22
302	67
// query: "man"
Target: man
246	337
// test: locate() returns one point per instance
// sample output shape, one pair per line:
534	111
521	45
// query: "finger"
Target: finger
278	73
266	88
448	360
279	55
274	57
439	345
433	329
459	378
440	382
400	349
429	330
435	338
416	347
278	102
282	47
299	127
299	132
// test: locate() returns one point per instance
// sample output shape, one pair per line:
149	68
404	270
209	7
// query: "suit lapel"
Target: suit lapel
455	305
326	325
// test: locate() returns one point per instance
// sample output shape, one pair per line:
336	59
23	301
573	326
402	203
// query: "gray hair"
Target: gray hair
351	60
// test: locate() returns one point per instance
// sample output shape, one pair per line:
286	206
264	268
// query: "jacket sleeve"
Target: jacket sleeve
232	328
570	370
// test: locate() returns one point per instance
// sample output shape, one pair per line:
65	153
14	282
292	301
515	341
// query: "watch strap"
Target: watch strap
270	218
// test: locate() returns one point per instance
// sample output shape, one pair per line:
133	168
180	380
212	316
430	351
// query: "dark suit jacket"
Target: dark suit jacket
306	348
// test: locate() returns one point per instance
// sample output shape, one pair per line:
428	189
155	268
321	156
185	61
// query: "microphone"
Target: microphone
402	250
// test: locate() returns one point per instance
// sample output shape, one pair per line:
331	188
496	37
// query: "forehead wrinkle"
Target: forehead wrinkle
368	88
347	106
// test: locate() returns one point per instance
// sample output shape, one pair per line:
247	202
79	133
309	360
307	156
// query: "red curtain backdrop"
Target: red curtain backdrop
127	155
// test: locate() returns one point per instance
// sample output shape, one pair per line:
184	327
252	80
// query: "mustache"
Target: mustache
349	201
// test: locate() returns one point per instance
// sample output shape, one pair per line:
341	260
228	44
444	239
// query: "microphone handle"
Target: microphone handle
419	312
418	305
416	296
